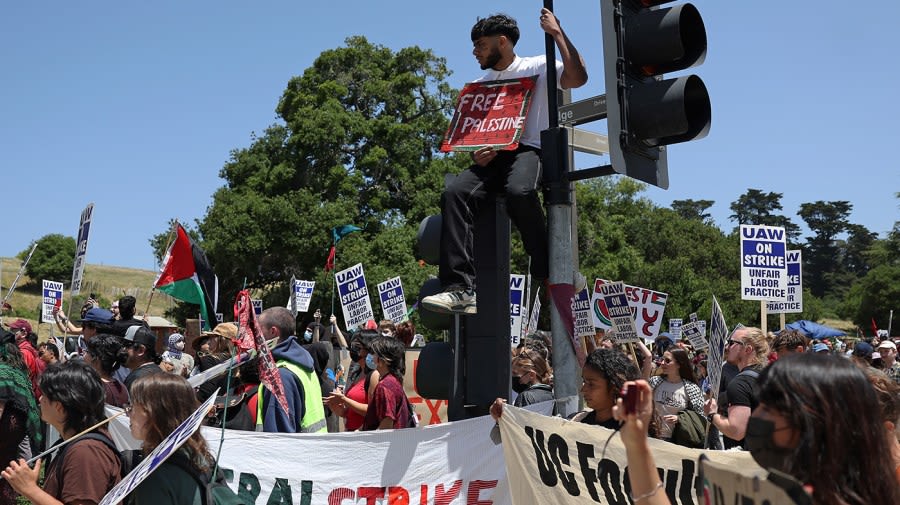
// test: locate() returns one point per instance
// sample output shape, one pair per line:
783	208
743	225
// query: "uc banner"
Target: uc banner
551	460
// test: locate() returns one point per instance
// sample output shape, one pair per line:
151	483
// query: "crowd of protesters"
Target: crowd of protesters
764	381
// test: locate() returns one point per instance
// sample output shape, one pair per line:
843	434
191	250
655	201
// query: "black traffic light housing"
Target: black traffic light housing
645	113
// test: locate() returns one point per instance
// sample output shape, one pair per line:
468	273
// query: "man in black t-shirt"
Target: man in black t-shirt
747	349
126	317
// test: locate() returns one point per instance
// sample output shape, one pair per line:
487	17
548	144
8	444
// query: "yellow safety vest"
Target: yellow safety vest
314	416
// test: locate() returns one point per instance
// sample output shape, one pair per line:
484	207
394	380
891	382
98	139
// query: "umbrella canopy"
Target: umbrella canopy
814	330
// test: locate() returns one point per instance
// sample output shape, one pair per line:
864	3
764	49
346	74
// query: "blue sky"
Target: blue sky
136	106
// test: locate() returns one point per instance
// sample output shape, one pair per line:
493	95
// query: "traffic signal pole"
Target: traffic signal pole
555	161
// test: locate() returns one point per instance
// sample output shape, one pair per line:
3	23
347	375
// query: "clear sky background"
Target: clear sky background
135	106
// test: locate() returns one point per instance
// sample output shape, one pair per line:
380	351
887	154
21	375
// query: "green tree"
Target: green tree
757	207
826	220
53	259
694	209
357	144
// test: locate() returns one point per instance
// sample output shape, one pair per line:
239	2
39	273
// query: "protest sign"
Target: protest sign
716	356
354	295
151	462
616	302
694	333
647	307
721	485
581	309
763	263
84	230
303	291
257	306
52	299
220	317
489	114
794	302
516	308
675	328
535	314
551	460
393	301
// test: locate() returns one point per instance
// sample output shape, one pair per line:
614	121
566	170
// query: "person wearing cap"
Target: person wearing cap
820	347
142	360
21	329
182	362
306	412
212	348
862	353
96	320
891	367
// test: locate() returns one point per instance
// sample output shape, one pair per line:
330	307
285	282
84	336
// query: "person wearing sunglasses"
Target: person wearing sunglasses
748	350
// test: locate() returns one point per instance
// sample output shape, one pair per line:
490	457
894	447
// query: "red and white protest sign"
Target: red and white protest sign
490	114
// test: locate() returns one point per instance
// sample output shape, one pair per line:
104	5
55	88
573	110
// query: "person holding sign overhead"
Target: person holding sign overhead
513	172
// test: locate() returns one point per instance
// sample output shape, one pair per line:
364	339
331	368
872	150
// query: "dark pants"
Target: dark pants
517	174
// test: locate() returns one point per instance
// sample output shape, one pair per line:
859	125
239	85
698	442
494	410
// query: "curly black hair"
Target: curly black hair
109	350
497	24
614	366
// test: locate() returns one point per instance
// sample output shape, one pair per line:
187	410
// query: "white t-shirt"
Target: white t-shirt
670	398
538	118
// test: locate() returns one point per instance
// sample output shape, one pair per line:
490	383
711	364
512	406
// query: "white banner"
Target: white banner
393	301
763	263
84	230
647	307
52	299
794	302
303	291
551	461
354	296
516	308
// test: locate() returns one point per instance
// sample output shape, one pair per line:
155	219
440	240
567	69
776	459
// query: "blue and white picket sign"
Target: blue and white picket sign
794	302
517	308
763	263
166	448
675	328
303	291
52	298
393	301
619	312
581	309
257	306
84	230
354	295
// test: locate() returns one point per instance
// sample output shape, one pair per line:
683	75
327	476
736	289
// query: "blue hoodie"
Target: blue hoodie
274	418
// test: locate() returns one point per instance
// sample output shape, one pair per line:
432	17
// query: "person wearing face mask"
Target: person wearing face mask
818	421
531	378
389	407
182	362
362	378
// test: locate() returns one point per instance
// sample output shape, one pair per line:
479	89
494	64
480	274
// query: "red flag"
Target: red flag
563	296
874	327
329	263
250	336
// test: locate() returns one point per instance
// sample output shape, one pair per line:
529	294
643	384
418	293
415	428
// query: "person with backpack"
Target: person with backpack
159	403
389	407
85	468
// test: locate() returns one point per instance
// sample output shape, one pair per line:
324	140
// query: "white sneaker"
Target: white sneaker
449	302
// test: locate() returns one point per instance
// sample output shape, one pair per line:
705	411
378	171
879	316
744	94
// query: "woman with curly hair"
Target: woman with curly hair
818	421
159	403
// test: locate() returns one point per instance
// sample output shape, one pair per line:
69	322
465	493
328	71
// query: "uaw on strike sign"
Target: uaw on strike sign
490	114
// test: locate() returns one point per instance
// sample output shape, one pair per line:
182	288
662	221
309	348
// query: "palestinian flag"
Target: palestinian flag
187	276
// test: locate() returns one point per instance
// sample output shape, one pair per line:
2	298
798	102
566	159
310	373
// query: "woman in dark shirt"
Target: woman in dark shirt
105	353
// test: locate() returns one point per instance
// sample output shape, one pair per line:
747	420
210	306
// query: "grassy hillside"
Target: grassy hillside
107	282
